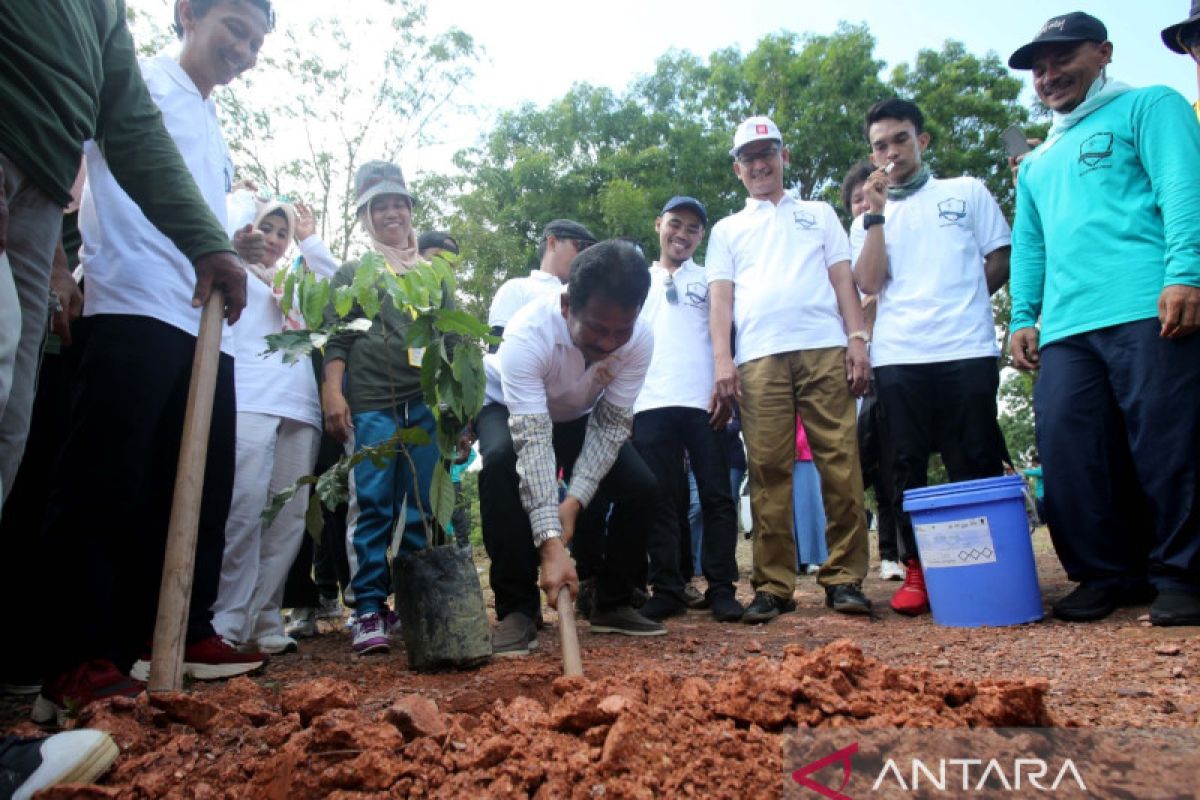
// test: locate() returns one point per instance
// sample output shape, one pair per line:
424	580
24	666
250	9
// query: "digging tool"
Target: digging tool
175	593
572	663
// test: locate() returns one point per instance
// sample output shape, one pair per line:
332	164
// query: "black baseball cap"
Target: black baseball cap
440	239
568	229
1074	27
1170	35
690	203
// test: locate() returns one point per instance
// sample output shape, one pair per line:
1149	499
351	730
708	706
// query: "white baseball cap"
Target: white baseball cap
755	129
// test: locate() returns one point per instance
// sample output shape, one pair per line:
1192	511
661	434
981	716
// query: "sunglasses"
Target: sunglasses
672	292
746	159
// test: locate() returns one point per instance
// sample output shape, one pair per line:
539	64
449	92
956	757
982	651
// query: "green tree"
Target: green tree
302	122
1016	413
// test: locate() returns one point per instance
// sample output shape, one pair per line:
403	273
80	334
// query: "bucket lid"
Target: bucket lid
983	490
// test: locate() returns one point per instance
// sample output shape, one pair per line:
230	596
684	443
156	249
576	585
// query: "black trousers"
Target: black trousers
26	507
875	475
948	407
1118	430
322	568
661	436
110	503
617	551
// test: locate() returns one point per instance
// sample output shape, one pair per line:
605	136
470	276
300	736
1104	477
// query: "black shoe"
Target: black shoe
847	598
1173	607
661	606
624	620
766	607
694	597
1090	602
725	607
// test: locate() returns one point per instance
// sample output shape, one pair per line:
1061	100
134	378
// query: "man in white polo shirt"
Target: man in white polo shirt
560	393
677	411
109	507
933	252
780	270
562	240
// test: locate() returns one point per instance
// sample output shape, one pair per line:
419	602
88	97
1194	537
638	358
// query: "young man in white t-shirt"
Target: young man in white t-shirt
677	412
562	240
109	510
933	251
560	393
780	270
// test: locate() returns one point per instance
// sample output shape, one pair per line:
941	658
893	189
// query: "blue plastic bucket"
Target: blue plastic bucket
976	552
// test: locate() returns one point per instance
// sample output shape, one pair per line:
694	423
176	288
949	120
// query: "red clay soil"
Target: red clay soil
644	734
700	712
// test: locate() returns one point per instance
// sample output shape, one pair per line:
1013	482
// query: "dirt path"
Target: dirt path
1116	673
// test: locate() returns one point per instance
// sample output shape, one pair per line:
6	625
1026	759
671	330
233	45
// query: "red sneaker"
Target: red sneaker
911	599
210	659
65	694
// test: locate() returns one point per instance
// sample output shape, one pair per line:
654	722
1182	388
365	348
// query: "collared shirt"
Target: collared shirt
778	257
515	294
934	305
131	267
539	370
681	369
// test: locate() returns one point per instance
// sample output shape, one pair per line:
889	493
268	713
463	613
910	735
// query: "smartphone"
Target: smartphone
1014	141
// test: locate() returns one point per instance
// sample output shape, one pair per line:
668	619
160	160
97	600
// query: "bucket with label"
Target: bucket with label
974	541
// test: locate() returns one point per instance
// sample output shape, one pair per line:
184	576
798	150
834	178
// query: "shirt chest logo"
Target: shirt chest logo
1096	151
952	211
804	220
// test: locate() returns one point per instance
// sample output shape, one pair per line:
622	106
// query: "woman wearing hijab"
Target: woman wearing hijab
278	432
372	389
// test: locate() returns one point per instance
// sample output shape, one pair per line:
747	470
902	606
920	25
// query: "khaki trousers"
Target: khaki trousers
775	388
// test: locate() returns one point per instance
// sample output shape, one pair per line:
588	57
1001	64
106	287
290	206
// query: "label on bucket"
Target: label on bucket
958	543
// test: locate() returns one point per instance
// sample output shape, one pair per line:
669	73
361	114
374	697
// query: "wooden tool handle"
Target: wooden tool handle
175	592
572	663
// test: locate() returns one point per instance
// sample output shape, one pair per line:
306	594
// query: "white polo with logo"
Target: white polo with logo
935	305
778	257
539	370
681	369
514	294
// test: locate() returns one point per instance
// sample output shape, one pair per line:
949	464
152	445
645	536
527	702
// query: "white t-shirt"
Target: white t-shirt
130	267
515	294
778	257
935	305
539	370
681	369
264	384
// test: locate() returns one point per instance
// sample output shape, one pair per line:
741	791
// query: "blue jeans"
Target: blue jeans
379	496
809	511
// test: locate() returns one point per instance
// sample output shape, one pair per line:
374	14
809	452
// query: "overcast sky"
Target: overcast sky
536	49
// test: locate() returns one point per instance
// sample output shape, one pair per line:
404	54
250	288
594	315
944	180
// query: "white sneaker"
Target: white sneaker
79	756
302	623
891	570
276	643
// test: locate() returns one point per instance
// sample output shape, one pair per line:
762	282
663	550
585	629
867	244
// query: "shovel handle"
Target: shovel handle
572	663
175	592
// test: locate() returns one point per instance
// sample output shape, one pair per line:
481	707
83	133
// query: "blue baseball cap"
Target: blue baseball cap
691	203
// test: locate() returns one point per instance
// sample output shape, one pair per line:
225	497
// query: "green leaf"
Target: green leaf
289	290
414	436
315	300
430	366
452	321
441	495
343	300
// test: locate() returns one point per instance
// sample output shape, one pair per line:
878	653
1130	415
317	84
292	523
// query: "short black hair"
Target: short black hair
615	270
202	7
895	108
857	176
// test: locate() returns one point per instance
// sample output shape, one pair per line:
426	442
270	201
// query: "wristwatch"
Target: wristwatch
866	337
540	539
872	219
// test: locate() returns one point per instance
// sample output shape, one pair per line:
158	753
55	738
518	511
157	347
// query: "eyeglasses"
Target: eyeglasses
767	153
672	292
